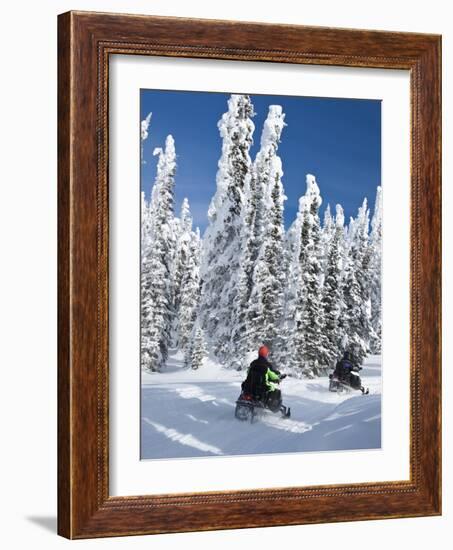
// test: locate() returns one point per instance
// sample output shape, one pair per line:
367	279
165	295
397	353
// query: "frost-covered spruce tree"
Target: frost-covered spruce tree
146	218
198	349
266	300
145	280
144	133
156	292
356	289
145	226
332	293
293	290
303	226
183	236
350	232
274	289
267	167
189	291
312	343
240	332
376	274
224	239
144	127
242	335
327	233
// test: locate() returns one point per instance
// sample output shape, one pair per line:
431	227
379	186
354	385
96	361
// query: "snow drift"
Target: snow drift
191	414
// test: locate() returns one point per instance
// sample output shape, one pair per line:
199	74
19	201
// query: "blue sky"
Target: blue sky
337	140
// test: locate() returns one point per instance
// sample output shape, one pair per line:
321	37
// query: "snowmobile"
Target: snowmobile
248	406
347	382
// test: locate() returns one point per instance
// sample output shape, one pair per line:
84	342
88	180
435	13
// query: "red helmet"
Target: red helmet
263	351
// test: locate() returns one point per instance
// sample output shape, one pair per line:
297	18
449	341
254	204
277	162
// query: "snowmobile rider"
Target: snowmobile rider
262	378
344	367
343	370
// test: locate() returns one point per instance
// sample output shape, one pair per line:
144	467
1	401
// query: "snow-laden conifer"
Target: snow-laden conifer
376	274
356	289
144	133
145	126
156	307
183	236
189	291
199	349
224	239
293	291
332	293
327	233
266	299
311	340
146	223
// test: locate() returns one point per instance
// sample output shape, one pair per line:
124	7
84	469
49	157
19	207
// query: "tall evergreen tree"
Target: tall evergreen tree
266	299
146	223
327	233
224	240
332	294
156	292
183	235
293	293
198	349
190	291
312	345
357	287
376	274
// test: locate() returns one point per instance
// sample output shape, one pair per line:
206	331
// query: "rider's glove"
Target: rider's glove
283	376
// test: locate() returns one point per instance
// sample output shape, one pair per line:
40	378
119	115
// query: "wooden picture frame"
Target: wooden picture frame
85	42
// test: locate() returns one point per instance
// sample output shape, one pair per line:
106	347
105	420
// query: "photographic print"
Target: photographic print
261	253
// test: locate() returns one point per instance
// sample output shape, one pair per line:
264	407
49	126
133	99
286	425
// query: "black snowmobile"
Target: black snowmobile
249	405
346	379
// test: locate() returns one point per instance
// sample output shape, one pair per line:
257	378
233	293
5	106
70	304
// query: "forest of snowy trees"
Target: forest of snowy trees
309	293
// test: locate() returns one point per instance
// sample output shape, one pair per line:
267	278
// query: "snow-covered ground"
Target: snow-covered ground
188	413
